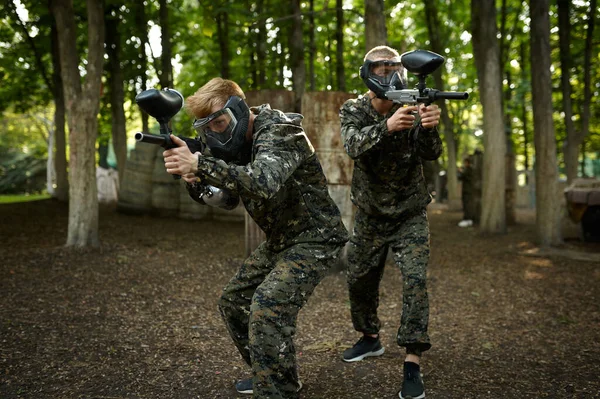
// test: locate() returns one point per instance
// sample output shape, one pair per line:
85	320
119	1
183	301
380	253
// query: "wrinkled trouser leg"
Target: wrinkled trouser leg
263	327
367	253
411	255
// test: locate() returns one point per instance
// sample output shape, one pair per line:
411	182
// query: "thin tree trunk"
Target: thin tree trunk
261	46
223	38
117	94
571	149
339	36
83	104
61	191
141	22
375	29
524	79
486	51
546	173
587	87
311	45
166	76
297	57
437	46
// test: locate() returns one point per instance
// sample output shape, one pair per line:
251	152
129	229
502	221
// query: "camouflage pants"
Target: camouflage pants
260	306
367	252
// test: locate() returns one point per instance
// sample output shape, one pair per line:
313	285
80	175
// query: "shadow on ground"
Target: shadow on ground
137	318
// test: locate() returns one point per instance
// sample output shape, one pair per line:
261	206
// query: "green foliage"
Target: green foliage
26	69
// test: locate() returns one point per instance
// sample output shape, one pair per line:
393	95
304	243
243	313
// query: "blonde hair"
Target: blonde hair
215	92
381	52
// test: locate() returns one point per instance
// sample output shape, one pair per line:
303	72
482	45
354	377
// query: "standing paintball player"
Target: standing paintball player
388	144
263	156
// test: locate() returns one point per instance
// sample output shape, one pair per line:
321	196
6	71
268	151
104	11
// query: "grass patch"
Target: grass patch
9	199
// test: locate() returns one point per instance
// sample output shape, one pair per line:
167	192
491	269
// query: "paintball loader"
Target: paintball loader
163	105
422	63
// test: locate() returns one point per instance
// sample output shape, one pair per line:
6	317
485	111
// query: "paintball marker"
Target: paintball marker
162	105
422	63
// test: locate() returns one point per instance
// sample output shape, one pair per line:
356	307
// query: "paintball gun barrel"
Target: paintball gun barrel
422	63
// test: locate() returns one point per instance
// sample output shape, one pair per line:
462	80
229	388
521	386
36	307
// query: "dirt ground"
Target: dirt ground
138	318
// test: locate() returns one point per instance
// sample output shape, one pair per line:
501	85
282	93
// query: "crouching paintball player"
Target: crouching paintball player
262	156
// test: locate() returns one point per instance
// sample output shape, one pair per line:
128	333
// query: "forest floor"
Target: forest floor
138	318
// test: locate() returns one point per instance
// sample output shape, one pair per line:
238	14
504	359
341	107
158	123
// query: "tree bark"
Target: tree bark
141	23
166	75
587	61
117	93
223	38
486	51
571	149
83	104
297	57
339	36
311	45
437	46
546	173
375	29
61	191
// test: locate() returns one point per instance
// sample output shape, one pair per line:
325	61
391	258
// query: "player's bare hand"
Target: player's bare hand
430	115
403	118
180	160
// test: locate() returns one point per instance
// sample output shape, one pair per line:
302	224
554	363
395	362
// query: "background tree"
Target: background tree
486	51
546	173
82	109
375	29
115	85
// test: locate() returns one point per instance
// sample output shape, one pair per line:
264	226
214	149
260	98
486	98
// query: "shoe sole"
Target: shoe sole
368	354
251	391
421	396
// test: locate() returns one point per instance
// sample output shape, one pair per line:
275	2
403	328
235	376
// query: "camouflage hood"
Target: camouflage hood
266	116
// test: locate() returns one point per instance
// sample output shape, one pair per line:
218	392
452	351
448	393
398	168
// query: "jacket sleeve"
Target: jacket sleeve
359	139
280	150
428	143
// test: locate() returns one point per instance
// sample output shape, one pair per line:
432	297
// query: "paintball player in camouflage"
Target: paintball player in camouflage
263	156
388	144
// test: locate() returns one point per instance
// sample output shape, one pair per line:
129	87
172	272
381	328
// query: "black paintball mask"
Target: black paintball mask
383	75
225	131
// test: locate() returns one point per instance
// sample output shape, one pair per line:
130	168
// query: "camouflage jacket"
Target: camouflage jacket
388	176
283	188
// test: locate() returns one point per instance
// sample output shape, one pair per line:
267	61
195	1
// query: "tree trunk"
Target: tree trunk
571	149
223	38
523	61
61	191
437	46
375	29
311	45
141	23
486	51
297	57
339	36
117	94
261	46
166	75
546	173
83	104
587	89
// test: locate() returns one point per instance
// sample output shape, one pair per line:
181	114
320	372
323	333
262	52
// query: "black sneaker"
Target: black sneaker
412	386
365	347
245	386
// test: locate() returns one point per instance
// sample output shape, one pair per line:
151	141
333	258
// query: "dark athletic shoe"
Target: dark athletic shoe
245	386
412	386
365	347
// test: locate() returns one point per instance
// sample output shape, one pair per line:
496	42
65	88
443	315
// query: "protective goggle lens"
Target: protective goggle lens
219	125
385	71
